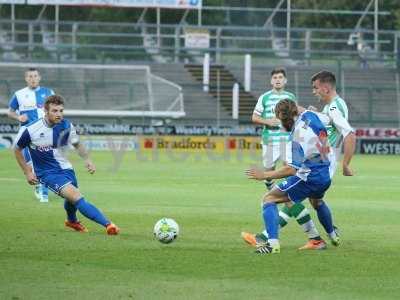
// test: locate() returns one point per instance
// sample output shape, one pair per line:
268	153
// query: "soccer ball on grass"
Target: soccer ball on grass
166	230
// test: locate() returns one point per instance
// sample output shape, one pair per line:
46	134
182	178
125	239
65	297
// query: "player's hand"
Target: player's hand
31	178
347	171
312	108
274	122
255	173
90	166
23	118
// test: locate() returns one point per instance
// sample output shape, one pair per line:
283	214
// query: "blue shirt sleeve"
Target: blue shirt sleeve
23	139
13	104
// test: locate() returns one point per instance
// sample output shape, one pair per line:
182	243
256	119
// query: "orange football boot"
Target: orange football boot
112	229
313	244
76	226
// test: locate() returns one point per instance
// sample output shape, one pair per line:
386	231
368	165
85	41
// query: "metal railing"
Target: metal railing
74	41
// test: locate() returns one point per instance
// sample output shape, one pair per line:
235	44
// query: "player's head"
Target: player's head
286	111
324	85
32	78
278	79
54	109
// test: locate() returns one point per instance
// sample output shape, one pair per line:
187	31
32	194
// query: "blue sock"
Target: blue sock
71	211
325	217
271	220
91	212
45	191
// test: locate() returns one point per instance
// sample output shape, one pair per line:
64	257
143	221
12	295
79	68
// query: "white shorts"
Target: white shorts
272	152
334	157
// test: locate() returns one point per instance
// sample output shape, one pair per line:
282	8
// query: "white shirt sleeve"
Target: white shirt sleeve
341	124
73	136
259	109
22	139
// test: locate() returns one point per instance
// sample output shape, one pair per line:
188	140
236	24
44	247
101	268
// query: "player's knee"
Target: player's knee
271	197
289	204
71	193
315	203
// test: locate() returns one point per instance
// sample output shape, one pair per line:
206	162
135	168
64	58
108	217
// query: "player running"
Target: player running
26	106
46	140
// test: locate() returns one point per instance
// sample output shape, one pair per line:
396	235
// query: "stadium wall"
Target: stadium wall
199	139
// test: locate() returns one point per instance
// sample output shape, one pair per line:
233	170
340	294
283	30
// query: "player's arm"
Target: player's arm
294	155
12	108
349	147
257	118
73	139
284	171
271	122
349	142
26	169
84	154
13	115
23	140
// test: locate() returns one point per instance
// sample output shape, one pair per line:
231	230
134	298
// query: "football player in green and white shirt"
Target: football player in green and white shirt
274	139
339	130
335	117
339	133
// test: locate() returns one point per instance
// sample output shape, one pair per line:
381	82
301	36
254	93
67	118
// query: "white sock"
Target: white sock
273	242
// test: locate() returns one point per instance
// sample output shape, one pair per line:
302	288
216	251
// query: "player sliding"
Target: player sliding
46	140
306	172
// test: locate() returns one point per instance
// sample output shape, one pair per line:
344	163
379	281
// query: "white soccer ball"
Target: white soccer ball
166	230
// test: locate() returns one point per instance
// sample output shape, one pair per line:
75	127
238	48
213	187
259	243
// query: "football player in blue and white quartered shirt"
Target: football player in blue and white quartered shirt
47	139
26	106
307	170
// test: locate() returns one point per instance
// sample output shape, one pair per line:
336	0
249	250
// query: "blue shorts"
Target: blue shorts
298	189
57	180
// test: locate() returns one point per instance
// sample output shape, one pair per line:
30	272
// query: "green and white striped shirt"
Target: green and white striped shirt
265	108
339	126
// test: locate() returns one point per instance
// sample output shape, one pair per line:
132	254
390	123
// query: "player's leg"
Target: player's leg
297	191
325	218
323	211
303	218
270	155
253	239
72	194
271	221
65	184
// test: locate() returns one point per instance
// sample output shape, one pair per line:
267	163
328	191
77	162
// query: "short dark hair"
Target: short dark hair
278	71
53	99
32	70
325	77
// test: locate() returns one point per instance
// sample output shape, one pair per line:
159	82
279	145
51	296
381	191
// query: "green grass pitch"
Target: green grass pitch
213	202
